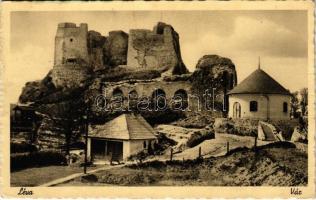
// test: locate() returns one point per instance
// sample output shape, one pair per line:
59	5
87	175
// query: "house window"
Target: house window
253	106
144	144
71	39
285	107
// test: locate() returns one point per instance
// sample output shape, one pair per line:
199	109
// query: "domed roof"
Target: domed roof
259	82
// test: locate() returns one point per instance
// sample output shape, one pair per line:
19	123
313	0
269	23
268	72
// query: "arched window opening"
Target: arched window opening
159	98
133	95
132	99
253	106
118	95
145	145
181	99
285	107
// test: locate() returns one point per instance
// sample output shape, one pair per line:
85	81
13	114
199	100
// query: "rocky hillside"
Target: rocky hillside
213	71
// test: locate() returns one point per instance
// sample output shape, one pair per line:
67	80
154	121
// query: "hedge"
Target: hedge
36	159
22	147
198	137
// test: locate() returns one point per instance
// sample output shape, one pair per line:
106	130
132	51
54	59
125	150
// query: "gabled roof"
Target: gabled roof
259	82
124	127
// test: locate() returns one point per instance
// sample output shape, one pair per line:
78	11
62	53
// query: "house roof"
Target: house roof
259	82
124	127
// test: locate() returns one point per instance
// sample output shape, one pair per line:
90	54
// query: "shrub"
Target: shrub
139	157
280	144
36	159
22	147
119	74
198	137
183	77
286	126
243	127
89	178
196	120
161	117
156	164
163	143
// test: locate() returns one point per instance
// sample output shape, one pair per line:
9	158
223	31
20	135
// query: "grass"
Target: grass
40	175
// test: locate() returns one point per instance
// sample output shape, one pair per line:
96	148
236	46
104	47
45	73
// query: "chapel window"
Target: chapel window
253	106
285	107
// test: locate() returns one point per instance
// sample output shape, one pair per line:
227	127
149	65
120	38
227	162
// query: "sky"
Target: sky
278	37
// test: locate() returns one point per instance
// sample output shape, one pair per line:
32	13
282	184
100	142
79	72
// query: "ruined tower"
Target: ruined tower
71	43
155	50
71	56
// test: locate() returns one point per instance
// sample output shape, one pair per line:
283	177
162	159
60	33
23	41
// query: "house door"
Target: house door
236	110
115	150
98	149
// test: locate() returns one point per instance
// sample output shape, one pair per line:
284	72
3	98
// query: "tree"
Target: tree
304	100
294	105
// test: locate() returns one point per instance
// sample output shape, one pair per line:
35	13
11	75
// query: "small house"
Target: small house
259	96
123	136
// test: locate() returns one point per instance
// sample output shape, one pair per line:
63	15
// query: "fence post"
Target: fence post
227	147
171	154
200	152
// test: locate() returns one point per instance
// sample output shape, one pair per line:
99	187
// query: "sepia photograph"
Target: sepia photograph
159	97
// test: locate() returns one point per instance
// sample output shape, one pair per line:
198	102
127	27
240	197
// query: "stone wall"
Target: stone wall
70	75
116	48
146	88
155	50
95	47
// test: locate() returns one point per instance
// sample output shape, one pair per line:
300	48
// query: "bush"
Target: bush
139	157
163	143
161	117
36	159
196	120
198	137
280	144
243	127
286	126
89	178
161	165
156	164
120	74
22	147
182	77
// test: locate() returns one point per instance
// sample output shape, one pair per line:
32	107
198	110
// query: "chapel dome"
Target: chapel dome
259	82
